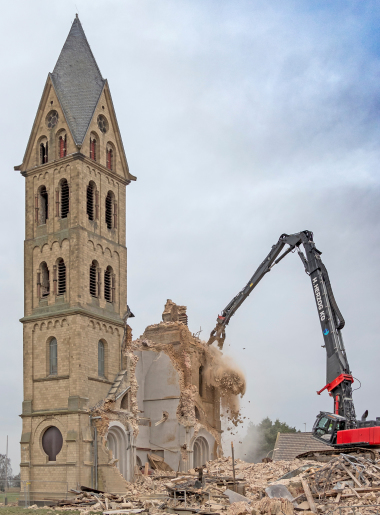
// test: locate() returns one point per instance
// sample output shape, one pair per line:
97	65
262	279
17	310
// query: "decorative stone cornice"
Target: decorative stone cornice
77	156
70	312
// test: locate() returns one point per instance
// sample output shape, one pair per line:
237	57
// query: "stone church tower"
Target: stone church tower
76	175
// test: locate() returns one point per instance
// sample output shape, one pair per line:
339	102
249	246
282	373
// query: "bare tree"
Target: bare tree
4	470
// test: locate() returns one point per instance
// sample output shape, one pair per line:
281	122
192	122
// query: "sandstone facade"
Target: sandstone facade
75	282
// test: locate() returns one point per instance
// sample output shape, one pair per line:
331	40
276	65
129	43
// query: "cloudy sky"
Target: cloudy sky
242	120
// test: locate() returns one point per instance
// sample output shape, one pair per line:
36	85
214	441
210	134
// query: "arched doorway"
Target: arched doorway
119	442
200	451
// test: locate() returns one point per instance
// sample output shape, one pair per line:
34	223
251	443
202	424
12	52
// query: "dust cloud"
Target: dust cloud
223	373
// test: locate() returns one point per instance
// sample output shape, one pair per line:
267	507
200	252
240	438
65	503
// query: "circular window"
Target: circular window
102	123
52	119
52	442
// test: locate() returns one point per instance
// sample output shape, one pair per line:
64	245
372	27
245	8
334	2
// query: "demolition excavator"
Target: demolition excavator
339	429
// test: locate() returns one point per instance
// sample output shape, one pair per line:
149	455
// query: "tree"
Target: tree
15	481
4	470
261	438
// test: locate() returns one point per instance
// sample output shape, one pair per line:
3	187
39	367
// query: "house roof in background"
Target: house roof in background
290	445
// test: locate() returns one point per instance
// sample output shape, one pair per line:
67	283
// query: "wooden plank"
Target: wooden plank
146	470
331	493
352	476
343	478
355	492
338	497
309	497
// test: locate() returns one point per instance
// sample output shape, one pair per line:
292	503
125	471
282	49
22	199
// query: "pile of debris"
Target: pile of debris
346	481
92	500
340	486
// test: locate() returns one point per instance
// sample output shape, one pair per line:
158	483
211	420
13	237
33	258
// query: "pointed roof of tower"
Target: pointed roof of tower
77	81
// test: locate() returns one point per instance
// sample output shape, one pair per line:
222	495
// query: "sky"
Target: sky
242	120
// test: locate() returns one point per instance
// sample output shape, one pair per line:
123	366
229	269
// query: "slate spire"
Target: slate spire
77	81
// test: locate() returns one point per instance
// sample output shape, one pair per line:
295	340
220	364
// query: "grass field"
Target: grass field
11	496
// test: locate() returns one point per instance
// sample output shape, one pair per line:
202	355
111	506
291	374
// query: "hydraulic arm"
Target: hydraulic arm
338	374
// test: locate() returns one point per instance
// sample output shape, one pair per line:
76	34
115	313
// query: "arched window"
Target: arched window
200	385
43	152
109	284
65	198
109	158
200	452
93	147
92	202
94	279
43	281
62	143
53	357
52	442
41	206
119	443
111	211
101	359
61	277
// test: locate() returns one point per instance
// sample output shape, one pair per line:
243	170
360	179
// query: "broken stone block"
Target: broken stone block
304	506
279	491
234	497
239	508
275	506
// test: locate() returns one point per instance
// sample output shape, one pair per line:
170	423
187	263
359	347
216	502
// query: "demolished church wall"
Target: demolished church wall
178	397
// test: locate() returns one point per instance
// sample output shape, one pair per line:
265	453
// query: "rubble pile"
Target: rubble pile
345	483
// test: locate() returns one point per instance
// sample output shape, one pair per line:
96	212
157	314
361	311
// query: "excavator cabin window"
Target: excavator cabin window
325	428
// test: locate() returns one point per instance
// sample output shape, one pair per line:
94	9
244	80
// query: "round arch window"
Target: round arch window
52	442
102	123
52	119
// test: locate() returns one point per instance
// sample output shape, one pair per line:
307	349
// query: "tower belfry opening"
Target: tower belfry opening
75	280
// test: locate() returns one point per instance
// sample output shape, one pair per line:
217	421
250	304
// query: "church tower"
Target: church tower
75	256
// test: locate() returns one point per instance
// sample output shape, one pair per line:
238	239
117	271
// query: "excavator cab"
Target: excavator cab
326	427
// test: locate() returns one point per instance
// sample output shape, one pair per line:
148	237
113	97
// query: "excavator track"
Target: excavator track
371	453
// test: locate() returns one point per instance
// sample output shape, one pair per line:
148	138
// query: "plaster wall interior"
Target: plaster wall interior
179	416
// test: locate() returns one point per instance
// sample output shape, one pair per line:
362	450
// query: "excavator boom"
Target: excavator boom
338	375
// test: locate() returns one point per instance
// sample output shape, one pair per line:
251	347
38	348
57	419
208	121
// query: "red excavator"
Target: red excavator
339	429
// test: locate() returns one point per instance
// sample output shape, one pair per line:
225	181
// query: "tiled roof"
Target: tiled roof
77	81
114	390
289	445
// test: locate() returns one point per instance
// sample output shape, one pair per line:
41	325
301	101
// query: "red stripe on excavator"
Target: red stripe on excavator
362	435
336	382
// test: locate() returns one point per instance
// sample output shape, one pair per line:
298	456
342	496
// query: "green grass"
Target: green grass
12	497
